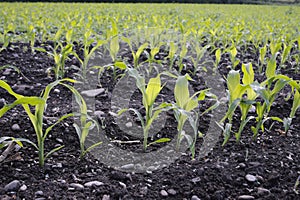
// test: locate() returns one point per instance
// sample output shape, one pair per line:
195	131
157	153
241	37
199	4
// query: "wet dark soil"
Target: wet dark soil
265	168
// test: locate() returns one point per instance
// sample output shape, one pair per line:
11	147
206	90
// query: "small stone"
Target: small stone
23	89
39	193
260	178
13	186
250	178
58	165
106	197
241	165
196	180
172	191
15	127
194	197
2	102
128	124
6	72
93	183
113	114
59	140
127	167
77	186
23	187
164	193
246	197
92	93
263	191
56	91
123	185
99	114
41	198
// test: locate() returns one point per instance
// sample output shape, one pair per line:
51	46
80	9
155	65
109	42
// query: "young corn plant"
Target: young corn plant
86	124
172	54
87	53
37	116
235	94
7	35
268	91
136	55
296	105
218	54
233	53
149	95
200	51
184	109
60	54
31	33
262	55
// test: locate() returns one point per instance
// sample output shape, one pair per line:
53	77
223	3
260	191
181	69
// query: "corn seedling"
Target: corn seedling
60	54
233	53
172	54
149	95
136	55
185	106
86	123
262	55
37	116
87	53
240	95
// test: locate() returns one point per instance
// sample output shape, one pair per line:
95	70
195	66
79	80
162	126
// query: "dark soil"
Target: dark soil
273	159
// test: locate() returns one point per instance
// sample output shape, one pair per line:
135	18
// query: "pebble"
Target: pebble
128	124
99	114
2	102
41	198
172	191
6	72
59	140
93	183
113	114
77	186
15	127
263	191
196	180
194	197
242	165
12	186
56	91
23	187
251	178
106	197
164	193
93	93
123	185
23	89
260	178
246	197
39	193
128	166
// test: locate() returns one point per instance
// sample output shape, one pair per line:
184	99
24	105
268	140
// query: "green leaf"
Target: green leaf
120	65
53	150
181	91
161	140
296	104
90	148
218	55
152	90
248	73
271	67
